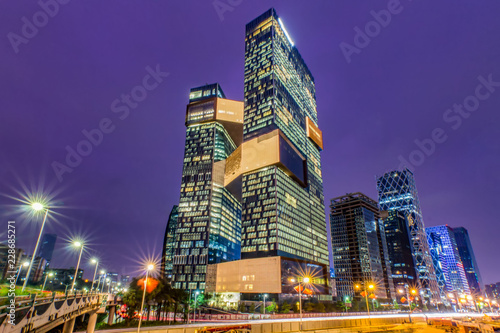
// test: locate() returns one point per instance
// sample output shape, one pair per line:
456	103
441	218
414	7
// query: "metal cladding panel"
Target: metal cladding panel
314	133
262	275
229	110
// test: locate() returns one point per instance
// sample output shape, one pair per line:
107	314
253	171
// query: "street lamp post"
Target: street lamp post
305	280
108	280
80	245
149	268
44	282
95	271
101	274
194	310
265	295
37	207
371	286
413	291
24	264
489	303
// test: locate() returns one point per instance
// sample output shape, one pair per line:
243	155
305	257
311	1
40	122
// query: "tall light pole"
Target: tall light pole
80	245
371	286
101	274
95	271
489	303
37	207
149	268
413	291
24	264
108	280
195	299
265	295
301	285
44	282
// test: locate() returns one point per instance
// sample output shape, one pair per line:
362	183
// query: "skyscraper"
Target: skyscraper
399	249
279	163
397	192
443	239
167	257
47	247
468	260
359	245
209	221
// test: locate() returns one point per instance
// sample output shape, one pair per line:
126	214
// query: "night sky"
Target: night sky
374	100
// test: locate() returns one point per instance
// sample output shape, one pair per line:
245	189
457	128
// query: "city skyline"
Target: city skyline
120	182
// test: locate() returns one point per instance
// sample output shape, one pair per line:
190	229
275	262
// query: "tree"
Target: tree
272	308
308	307
252	308
285	307
319	307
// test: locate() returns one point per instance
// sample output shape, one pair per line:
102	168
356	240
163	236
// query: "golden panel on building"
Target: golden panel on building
261	275
314	133
229	110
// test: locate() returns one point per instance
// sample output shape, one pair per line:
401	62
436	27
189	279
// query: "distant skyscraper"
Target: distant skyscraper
492	290
359	245
438	257
280	164
209	221
468	260
397	191
167	257
399	249
47	246
449	258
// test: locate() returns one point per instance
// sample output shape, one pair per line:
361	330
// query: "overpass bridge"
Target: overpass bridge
40	314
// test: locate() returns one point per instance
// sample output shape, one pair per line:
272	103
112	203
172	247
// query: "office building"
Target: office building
468	260
167	257
449	258
397	192
279	163
492	290
47	247
359	246
209	214
399	249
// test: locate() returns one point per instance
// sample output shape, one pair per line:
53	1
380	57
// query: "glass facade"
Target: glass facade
209	221
442	242
359	245
399	249
282	204
169	243
397	192
468	260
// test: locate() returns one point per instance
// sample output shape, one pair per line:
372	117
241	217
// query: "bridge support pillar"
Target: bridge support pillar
68	326
111	315
92	322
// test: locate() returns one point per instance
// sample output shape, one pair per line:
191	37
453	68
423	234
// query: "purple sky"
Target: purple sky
395	90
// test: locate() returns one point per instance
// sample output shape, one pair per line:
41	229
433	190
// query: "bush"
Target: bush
319	307
285	307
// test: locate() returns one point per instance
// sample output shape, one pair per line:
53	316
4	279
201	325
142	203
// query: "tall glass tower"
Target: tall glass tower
397	192
449	259
167	256
279	162
209	221
359	245
468	260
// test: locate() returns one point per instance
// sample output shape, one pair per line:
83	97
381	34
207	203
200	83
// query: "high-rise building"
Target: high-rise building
47	247
438	256
279	161
209	221
468	260
397	192
359	246
492	290
399	249
167	257
442	240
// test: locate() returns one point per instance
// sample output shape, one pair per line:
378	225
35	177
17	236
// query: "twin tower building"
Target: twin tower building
251	183
251	216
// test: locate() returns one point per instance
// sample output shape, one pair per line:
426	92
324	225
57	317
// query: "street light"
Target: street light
265	295
371	286
78	245
305	280
150	267
44	282
36	206
489	303
101	274
408	291
195	299
24	264
94	261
